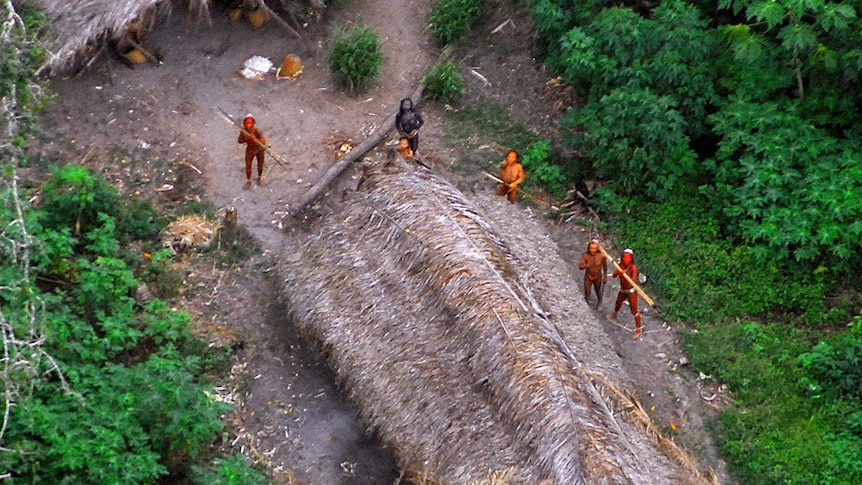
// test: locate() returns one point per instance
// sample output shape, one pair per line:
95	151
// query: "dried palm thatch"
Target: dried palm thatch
432	322
81	27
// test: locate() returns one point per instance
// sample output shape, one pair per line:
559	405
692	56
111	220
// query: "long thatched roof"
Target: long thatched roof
461	346
80	27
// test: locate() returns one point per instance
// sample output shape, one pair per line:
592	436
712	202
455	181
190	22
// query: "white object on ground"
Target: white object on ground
255	67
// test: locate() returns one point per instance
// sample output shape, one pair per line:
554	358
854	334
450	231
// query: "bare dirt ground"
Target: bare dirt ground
155	132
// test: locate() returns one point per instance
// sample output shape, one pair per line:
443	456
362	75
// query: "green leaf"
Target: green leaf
798	36
769	11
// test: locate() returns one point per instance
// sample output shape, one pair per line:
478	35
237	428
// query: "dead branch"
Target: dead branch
281	21
149	55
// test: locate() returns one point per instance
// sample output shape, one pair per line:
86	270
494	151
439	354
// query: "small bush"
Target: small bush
451	19
233	470
355	58
443	82
837	365
536	162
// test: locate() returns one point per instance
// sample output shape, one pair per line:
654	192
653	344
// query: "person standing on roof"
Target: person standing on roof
255	147
408	121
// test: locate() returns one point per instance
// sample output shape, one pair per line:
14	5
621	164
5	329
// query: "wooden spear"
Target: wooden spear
637	288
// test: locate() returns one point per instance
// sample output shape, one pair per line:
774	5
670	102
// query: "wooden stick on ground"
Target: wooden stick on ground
356	153
280	20
149	55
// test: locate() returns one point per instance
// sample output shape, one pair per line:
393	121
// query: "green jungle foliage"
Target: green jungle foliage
537	163
788	425
233	470
728	132
749	100
451	20
117	393
702	277
443	82
355	58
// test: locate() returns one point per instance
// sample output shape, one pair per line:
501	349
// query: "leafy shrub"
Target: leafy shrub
233	470
635	139
537	163
792	187
355	58
650	85
75	196
837	366
773	434
443	82
162	275
125	400
451	19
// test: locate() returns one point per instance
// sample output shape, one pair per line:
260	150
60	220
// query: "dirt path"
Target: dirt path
159	127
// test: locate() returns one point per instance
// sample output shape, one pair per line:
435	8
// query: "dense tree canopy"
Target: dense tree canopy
751	102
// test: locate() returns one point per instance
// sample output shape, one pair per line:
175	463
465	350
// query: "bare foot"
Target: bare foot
637	334
247	185
260	181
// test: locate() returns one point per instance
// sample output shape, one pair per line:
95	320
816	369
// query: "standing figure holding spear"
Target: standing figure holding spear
255	147
629	271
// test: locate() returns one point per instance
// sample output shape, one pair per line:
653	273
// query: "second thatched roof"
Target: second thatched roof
463	344
80	27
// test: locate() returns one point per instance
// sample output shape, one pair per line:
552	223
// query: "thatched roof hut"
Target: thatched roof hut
463	344
79	28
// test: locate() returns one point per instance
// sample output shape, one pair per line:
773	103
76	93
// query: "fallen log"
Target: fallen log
356	153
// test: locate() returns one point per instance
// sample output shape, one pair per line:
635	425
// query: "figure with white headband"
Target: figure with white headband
627	290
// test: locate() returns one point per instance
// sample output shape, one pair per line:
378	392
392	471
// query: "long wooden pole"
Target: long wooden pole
637	288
